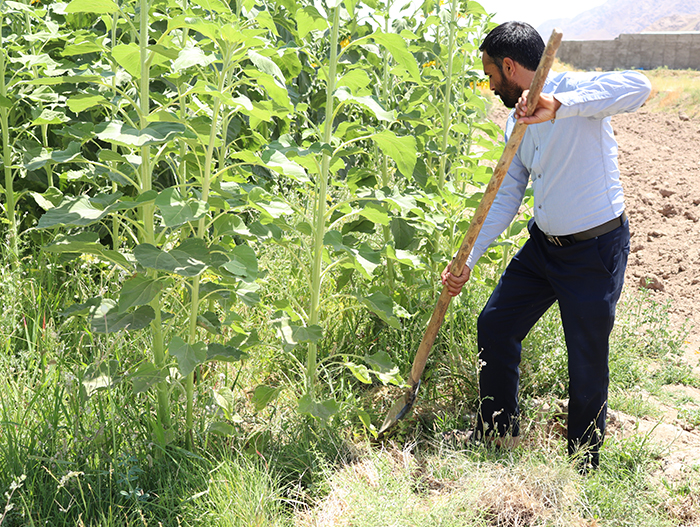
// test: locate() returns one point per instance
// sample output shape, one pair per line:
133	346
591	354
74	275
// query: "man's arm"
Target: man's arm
504	208
597	96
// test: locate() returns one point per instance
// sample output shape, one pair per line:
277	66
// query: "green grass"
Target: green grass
76	446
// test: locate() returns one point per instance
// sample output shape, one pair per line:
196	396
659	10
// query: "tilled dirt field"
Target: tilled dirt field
660	170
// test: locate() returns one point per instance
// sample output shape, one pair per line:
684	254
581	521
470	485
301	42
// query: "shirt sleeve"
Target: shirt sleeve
604	94
505	207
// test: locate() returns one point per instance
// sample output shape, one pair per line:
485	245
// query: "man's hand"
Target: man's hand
454	283
546	109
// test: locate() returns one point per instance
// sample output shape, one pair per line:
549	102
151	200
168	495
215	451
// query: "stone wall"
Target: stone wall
678	51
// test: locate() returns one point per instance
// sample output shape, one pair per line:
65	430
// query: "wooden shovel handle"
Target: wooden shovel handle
482	210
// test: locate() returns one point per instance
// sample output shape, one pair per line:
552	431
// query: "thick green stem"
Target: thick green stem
386	230
115	220
201	231
448	93
321	191
10	199
148	210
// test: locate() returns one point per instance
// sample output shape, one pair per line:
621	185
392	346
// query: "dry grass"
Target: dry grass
394	487
672	91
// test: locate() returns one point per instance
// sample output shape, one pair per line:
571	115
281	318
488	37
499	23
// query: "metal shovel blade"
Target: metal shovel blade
399	409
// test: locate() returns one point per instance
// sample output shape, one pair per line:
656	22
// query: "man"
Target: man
579	236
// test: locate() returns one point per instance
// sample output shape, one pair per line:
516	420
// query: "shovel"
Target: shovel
404	404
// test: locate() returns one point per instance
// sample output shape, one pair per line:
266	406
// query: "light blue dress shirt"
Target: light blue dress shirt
571	162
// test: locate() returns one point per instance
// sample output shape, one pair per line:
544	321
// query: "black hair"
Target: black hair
516	40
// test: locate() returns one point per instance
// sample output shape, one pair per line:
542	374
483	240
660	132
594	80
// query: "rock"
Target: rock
666	192
691	216
683	116
651	282
669	211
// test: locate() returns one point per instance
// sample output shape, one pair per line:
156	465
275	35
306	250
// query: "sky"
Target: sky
535	12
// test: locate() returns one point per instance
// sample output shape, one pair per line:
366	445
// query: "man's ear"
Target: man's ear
508	67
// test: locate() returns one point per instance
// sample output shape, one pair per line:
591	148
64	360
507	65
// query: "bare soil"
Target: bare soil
659	157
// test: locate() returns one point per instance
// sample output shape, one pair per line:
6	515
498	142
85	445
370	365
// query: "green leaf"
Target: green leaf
243	262
51	198
322	410
360	371
146	376
375	213
100	376
190	56
383	307
128	56
152	257
278	162
247	292
188	356
343	94
264	19
405	257
138	291
51	117
86	308
87	243
367	422
355	79
291	334
82	48
225	353
312	333
213	5
381	361
384	368
113	321
221	428
99	7
308	20
263	395
401	149
82	101
268	66
188	259
403	232
210	321
398	48
122	134
367	258
177	210
275	207
225	399
72	211
67	155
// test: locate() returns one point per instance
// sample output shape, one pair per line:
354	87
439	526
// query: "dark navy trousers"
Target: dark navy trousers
586	279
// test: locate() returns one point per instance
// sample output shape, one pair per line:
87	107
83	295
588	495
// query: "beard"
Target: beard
509	93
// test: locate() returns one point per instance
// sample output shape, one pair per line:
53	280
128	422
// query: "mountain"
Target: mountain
676	23
609	20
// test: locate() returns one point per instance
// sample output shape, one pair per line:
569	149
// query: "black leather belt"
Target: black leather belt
570	239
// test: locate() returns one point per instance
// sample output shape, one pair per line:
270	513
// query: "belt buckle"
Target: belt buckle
554	240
